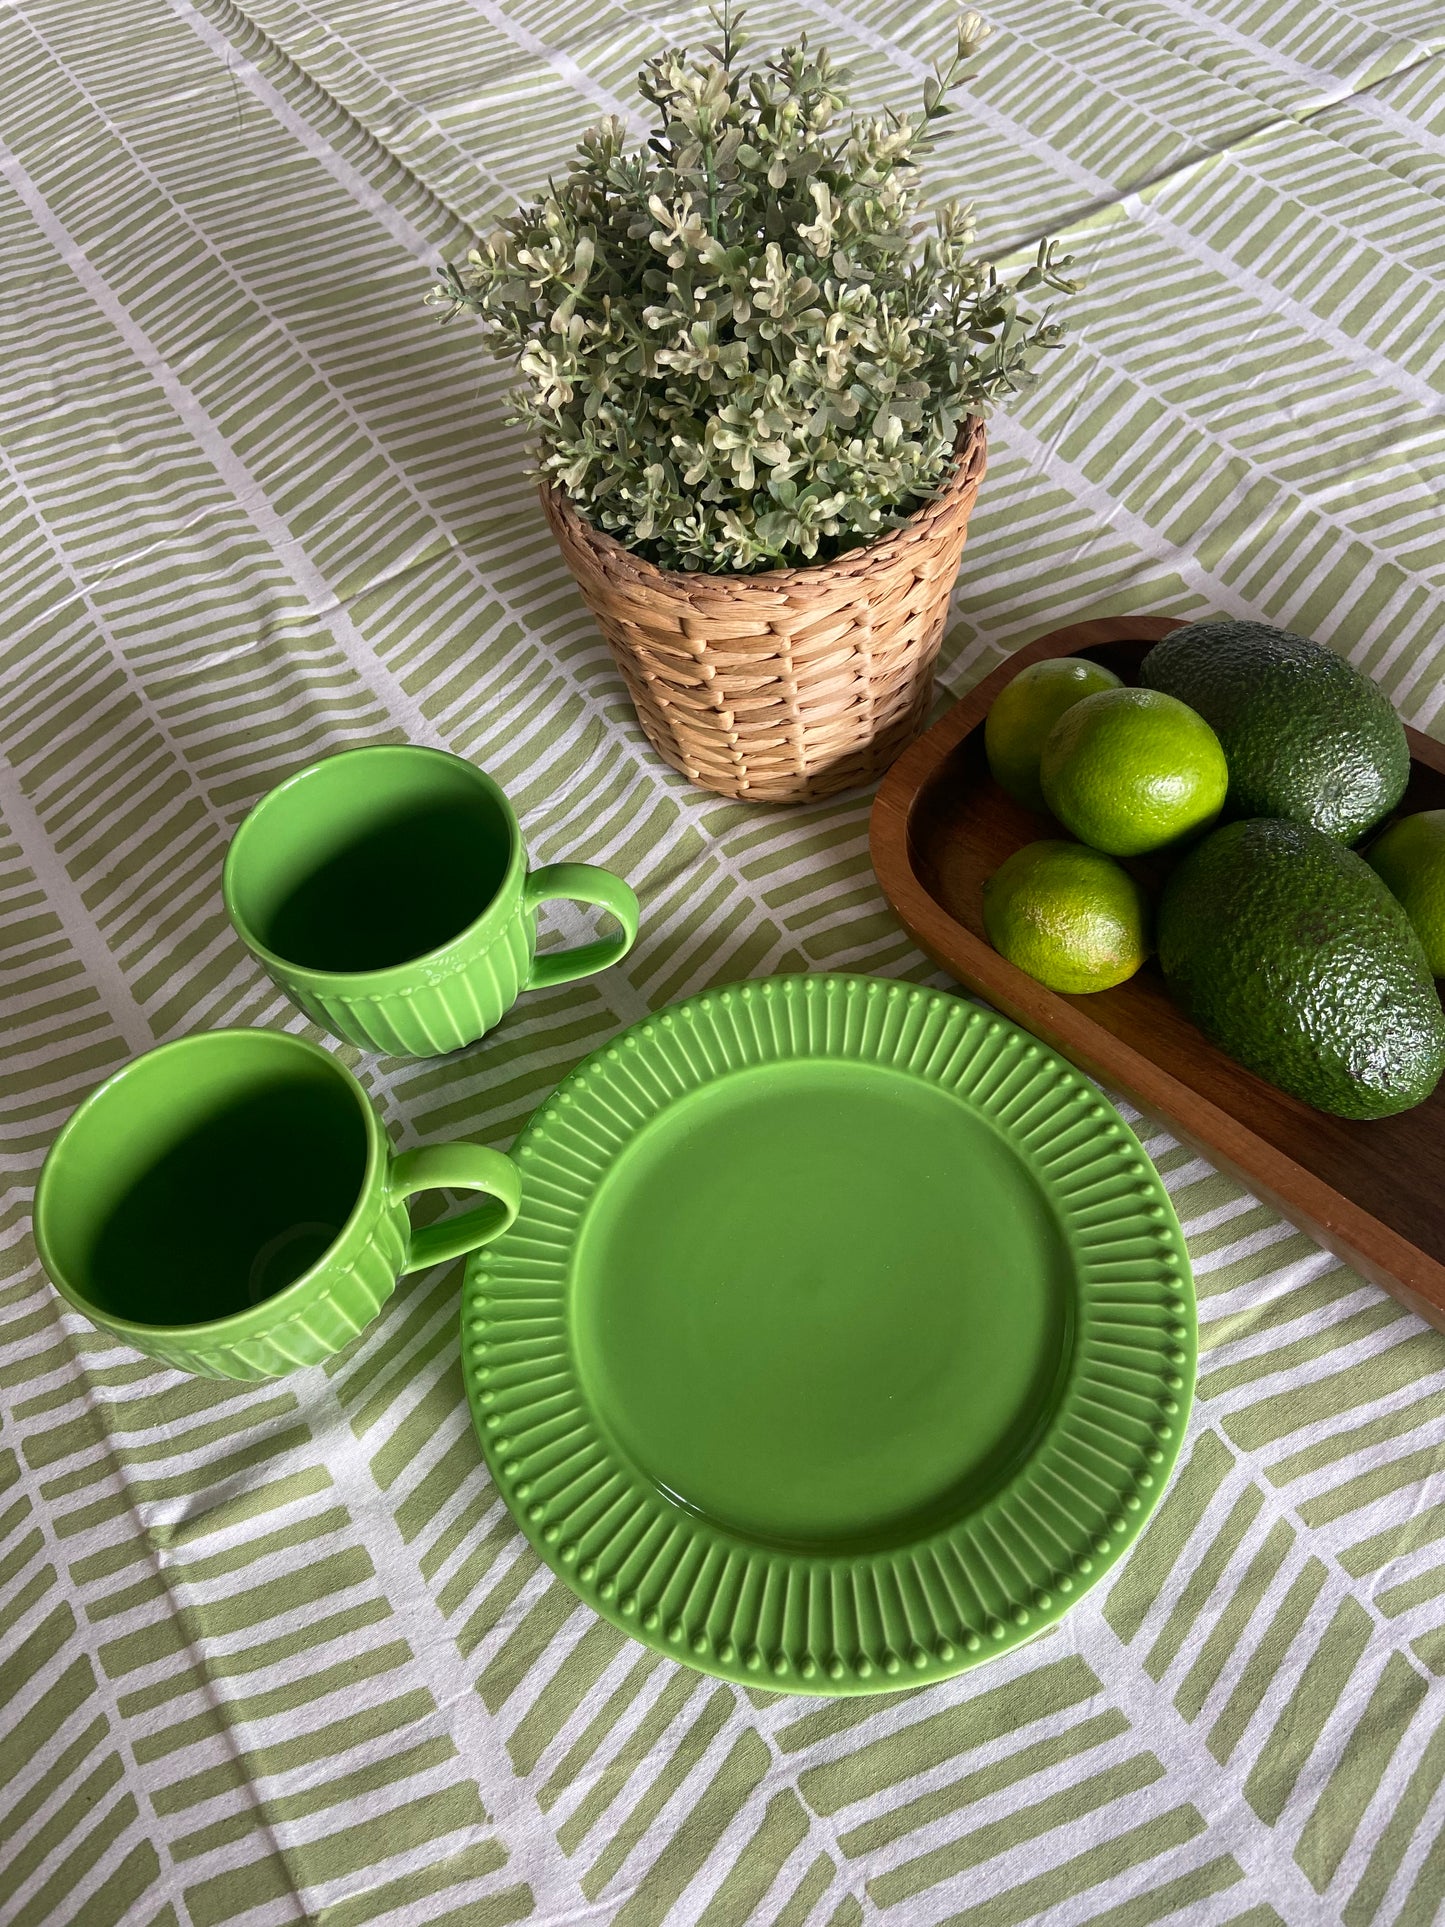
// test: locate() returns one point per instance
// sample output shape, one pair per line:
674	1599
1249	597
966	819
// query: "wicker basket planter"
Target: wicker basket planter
790	685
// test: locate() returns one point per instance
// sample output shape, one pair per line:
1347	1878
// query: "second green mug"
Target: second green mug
386	890
231	1204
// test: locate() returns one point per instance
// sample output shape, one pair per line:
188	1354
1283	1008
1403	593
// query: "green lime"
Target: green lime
1410	859
1131	770
1068	915
1026	709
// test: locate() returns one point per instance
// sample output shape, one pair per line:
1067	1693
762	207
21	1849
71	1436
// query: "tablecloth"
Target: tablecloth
276	1652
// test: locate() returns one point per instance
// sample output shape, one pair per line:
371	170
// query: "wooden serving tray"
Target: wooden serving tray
1370	1192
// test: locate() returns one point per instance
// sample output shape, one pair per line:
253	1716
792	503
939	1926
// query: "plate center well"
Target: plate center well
822	1303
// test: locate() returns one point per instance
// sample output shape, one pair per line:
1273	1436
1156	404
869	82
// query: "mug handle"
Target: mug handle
456	1167
583	883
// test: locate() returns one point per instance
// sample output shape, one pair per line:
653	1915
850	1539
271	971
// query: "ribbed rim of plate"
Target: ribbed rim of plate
809	1622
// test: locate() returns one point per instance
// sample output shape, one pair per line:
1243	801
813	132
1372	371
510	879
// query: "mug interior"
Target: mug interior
203	1179
370	859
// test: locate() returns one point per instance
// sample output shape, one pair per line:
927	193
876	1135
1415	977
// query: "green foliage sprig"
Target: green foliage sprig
740	347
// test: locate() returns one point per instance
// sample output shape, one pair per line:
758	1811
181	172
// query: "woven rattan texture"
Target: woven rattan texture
790	685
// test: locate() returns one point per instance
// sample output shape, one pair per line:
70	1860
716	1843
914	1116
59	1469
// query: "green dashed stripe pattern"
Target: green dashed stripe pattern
277	1653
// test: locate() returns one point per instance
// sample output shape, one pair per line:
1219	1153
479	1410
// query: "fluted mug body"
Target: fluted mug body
386	890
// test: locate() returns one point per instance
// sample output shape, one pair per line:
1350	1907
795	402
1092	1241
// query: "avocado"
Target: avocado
1306	735
1289	953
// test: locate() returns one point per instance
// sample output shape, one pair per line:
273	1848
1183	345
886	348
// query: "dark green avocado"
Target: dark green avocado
1289	953
1305	734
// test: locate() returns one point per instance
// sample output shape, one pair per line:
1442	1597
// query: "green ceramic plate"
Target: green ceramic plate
845	1336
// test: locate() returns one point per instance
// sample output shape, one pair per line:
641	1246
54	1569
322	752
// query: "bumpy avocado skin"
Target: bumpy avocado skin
1306	736
1289	953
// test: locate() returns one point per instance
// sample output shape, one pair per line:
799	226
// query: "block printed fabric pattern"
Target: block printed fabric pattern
276	1653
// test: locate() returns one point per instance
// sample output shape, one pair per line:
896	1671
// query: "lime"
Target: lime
1026	709
1068	915
1410	858
1131	770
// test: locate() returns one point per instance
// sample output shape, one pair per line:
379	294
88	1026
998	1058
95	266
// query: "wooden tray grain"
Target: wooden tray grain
1370	1192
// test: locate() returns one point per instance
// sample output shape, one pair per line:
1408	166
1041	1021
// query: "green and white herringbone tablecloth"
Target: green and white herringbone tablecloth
277	1653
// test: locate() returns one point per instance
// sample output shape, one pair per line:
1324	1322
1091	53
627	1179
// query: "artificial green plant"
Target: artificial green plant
741	345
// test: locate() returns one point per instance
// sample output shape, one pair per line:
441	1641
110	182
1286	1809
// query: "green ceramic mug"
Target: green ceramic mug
387	891
230	1203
